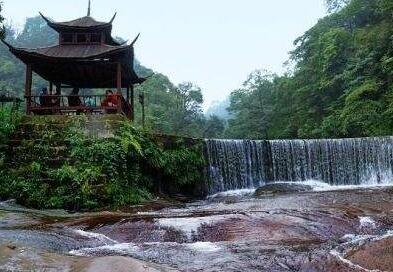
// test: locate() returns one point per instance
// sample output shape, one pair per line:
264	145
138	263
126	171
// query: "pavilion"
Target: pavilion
87	57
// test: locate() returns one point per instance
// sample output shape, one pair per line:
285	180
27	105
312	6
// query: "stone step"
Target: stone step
60	145
52	163
53	150
23	134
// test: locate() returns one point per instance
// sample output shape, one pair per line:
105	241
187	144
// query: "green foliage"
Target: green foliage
65	168
174	110
183	165
251	107
214	127
9	120
35	33
340	86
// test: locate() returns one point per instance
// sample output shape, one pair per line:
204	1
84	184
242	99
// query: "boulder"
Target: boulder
282	188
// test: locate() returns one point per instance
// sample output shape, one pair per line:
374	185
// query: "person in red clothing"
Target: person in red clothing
111	100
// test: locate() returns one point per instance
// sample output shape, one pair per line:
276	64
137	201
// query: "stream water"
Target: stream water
342	229
345	223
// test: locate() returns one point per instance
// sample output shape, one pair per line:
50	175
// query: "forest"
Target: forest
338	83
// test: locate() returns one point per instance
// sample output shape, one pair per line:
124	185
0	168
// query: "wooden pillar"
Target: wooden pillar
28	83
118	82
58	89
51	88
132	102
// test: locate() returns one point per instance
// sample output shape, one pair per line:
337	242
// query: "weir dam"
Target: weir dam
247	164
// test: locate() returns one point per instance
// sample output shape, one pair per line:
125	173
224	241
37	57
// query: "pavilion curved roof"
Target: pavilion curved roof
71	51
85	66
86	22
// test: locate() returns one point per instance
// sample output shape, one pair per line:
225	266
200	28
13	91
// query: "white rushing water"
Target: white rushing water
240	192
320	186
120	248
246	164
367	222
190	225
138	250
97	236
204	247
316	186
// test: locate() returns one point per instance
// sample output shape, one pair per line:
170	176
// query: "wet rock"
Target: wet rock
377	255
287	232
118	264
282	188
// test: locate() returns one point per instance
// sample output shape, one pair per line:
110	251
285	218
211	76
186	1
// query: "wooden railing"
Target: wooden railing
79	104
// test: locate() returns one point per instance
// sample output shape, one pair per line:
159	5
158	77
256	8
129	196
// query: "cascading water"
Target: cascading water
236	164
241	164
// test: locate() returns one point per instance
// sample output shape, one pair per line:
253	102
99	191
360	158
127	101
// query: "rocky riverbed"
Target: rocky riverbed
329	230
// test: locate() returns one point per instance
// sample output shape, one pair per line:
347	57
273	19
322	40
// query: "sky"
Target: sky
215	44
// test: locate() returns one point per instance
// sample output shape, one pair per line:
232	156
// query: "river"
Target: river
327	229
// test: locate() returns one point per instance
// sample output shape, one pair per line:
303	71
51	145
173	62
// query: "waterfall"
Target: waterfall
236	164
241	164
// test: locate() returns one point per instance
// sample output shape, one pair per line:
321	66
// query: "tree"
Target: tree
214	127
2	28
335	5
187	116
35	33
251	107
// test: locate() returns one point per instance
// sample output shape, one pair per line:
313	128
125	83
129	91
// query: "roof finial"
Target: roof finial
89	8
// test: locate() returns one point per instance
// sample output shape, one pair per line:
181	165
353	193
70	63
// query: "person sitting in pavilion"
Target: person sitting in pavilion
90	102
45	102
44	97
74	100
111	101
